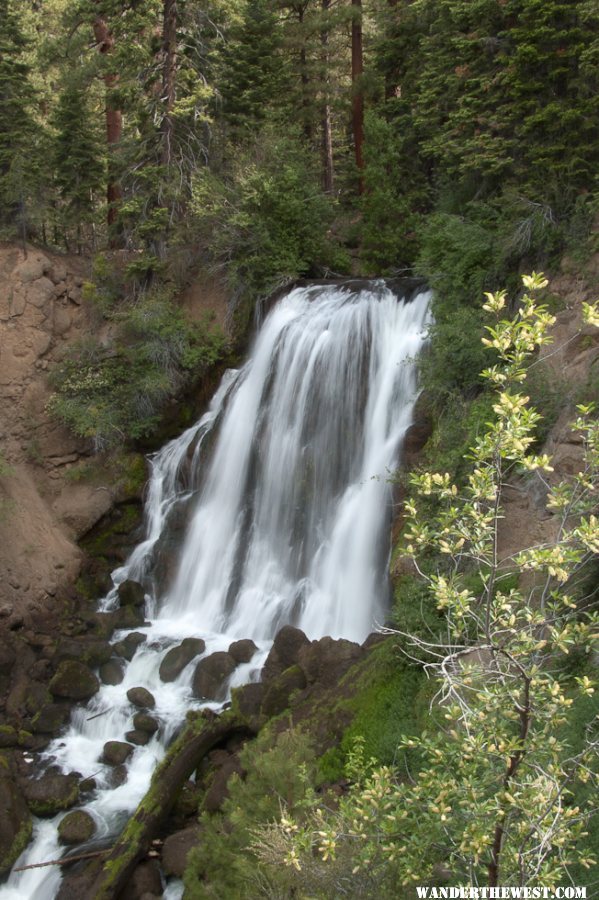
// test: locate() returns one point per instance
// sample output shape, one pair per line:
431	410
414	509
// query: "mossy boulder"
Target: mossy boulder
76	827
15	822
242	651
131	593
51	794
115	753
51	718
91	652
284	652
9	736
141	697
179	657
211	674
74	681
247	700
326	661
280	689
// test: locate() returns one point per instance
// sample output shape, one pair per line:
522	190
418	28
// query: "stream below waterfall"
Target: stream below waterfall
273	509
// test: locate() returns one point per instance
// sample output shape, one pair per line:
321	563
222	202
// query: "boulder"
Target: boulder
51	718
284	651
131	594
178	657
140	738
7	658
248	699
279	690
145	881
115	753
242	651
327	660
127	648
118	776
76	827
211	674
15	822
141	697
74	681
90	652
112	672
51	793
176	849
143	722
218	791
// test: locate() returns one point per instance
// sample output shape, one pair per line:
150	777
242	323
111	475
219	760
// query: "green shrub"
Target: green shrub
279	775
112	394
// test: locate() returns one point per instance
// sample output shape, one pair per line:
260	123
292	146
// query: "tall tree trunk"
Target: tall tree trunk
308	131
169	71
114	125
357	68
327	137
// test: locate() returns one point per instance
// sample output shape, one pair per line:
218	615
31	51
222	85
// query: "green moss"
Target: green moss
21	840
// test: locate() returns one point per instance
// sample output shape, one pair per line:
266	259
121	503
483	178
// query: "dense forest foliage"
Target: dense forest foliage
266	139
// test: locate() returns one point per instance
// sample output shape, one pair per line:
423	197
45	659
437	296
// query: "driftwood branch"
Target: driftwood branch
64	861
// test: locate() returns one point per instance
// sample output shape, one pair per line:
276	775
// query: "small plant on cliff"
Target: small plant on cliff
503	795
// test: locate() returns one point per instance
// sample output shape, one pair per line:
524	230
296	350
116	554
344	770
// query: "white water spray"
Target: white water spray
281	492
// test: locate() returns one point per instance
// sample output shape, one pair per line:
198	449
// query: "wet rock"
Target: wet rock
15	822
178	657
284	652
76	827
248	699
127	617
74	681
115	753
112	672
242	651
139	738
51	794
118	776
128	646
176	849
327	660
51	718
141	697
90	652
143	722
145	880
131	594
211	674
279	690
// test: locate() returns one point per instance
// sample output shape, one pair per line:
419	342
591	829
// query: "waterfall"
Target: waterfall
273	509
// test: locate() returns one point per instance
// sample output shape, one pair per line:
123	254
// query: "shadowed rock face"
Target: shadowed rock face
209	680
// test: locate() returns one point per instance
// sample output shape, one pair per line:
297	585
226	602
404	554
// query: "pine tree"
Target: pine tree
17	129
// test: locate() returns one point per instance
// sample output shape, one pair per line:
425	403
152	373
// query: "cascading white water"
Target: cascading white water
283	491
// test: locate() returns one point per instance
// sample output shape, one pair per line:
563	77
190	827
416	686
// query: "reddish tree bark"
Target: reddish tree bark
169	73
357	68
114	122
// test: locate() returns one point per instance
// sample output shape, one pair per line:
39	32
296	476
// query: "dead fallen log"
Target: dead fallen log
197	739
64	860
